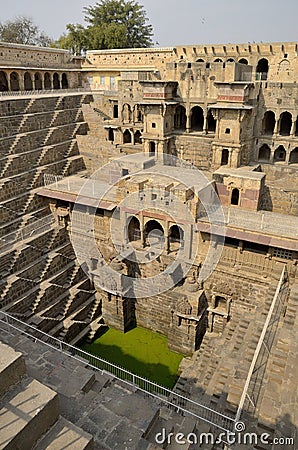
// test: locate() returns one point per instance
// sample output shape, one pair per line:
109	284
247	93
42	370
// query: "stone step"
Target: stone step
65	435
12	367
27	412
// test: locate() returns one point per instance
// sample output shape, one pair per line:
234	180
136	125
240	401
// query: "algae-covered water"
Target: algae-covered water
141	351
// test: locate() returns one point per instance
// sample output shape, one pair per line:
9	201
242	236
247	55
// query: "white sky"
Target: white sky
179	21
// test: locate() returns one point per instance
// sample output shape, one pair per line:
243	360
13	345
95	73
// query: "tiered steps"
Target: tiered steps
30	411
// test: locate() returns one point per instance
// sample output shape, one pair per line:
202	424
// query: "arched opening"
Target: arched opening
127	137
197	119
264	153
153	233
294	156
176	238
152	148
218	60
47	81
111	136
180	118
220	303
224	157
211	122
115	111
134	229
285	123
268	123
3	82
56	81
28	82
37	81
280	154
138	139
14	82
235	197
262	69
64	81
230	60
200	60
126	113
243	61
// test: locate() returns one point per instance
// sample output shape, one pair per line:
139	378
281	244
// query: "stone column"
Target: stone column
188	118
293	128
8	81
21	81
205	126
142	230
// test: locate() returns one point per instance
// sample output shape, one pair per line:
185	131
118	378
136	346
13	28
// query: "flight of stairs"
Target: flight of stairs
30	411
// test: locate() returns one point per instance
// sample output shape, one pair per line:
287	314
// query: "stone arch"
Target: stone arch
264	153
218	60
294	156
37	81
14	81
153	232
211	122
262	69
64	81
126	113
180	118
284	66
56	81
47	81
28	82
230	60
243	61
197	119
176	237
138	137
285	123
138	115
235	197
127	137
225	157
133	229
268	123
200	60
280	154
3	82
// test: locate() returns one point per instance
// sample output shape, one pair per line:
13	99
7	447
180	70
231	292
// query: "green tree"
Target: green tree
119	24
76	40
22	30
111	24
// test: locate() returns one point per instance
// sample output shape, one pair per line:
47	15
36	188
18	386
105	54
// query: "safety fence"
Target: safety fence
168	397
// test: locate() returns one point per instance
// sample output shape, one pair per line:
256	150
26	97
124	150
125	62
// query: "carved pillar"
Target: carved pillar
205	126
188	119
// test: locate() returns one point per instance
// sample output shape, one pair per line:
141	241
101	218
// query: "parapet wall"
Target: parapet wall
16	55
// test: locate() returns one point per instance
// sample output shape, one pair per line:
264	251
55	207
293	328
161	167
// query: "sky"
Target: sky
178	22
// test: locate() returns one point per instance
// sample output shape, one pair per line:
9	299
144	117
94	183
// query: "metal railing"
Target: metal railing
266	221
259	362
36	227
170	398
34	93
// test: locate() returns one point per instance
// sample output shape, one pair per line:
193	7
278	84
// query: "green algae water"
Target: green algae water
140	351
